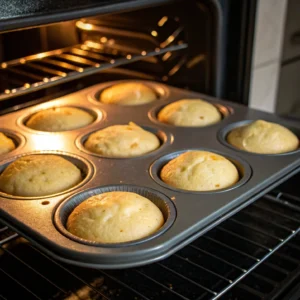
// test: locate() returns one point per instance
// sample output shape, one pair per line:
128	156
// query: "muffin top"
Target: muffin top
264	138
128	93
189	112
59	119
115	217
39	175
122	141
200	171
6	144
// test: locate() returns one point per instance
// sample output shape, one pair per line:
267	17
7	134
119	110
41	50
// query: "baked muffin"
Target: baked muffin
39	175
190	112
264	138
6	144
115	217
122	141
59	119
199	171
128	93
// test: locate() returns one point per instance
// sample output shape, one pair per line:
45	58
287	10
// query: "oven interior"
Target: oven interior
117	46
252	255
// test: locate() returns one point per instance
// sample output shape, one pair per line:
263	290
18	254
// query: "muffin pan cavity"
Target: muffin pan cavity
242	166
187	214
83	165
161	92
224	110
223	133
165	205
17	138
97	115
164	138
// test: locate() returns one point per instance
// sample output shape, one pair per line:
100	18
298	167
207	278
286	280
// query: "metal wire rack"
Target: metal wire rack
43	70
249	256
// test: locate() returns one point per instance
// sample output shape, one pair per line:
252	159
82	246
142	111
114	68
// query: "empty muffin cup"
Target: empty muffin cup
32	182
242	167
224	132
161	201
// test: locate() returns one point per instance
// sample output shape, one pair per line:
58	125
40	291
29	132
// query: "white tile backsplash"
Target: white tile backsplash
263	88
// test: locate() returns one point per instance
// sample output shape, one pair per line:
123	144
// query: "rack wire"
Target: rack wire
252	255
43	70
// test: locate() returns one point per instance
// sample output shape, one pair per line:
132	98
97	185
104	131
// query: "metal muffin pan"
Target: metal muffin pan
17	138
196	213
164	138
166	206
97	114
222	135
242	166
82	164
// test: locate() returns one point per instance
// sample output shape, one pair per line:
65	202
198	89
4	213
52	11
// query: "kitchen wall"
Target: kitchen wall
266	66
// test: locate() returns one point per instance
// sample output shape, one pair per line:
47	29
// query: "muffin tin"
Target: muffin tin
187	214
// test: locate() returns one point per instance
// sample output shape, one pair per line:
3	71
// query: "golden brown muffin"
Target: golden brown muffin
200	171
122	141
6	144
115	217
59	119
190	112
39	175
263	137
128	93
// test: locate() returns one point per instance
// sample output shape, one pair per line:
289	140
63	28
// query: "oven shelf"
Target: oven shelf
249	256
43	70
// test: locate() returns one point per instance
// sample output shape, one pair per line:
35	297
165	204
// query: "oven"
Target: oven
53	49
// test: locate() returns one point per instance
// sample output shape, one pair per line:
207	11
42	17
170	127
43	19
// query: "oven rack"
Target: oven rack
252	255
46	69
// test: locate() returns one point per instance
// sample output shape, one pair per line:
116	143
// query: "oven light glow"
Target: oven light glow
40	55
154	33
27	85
144	53
195	61
22	61
92	44
111	42
103	40
3	65
171	38
162	21
84	26
166	56
128	56
46	79
7	91
80	70
112	61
